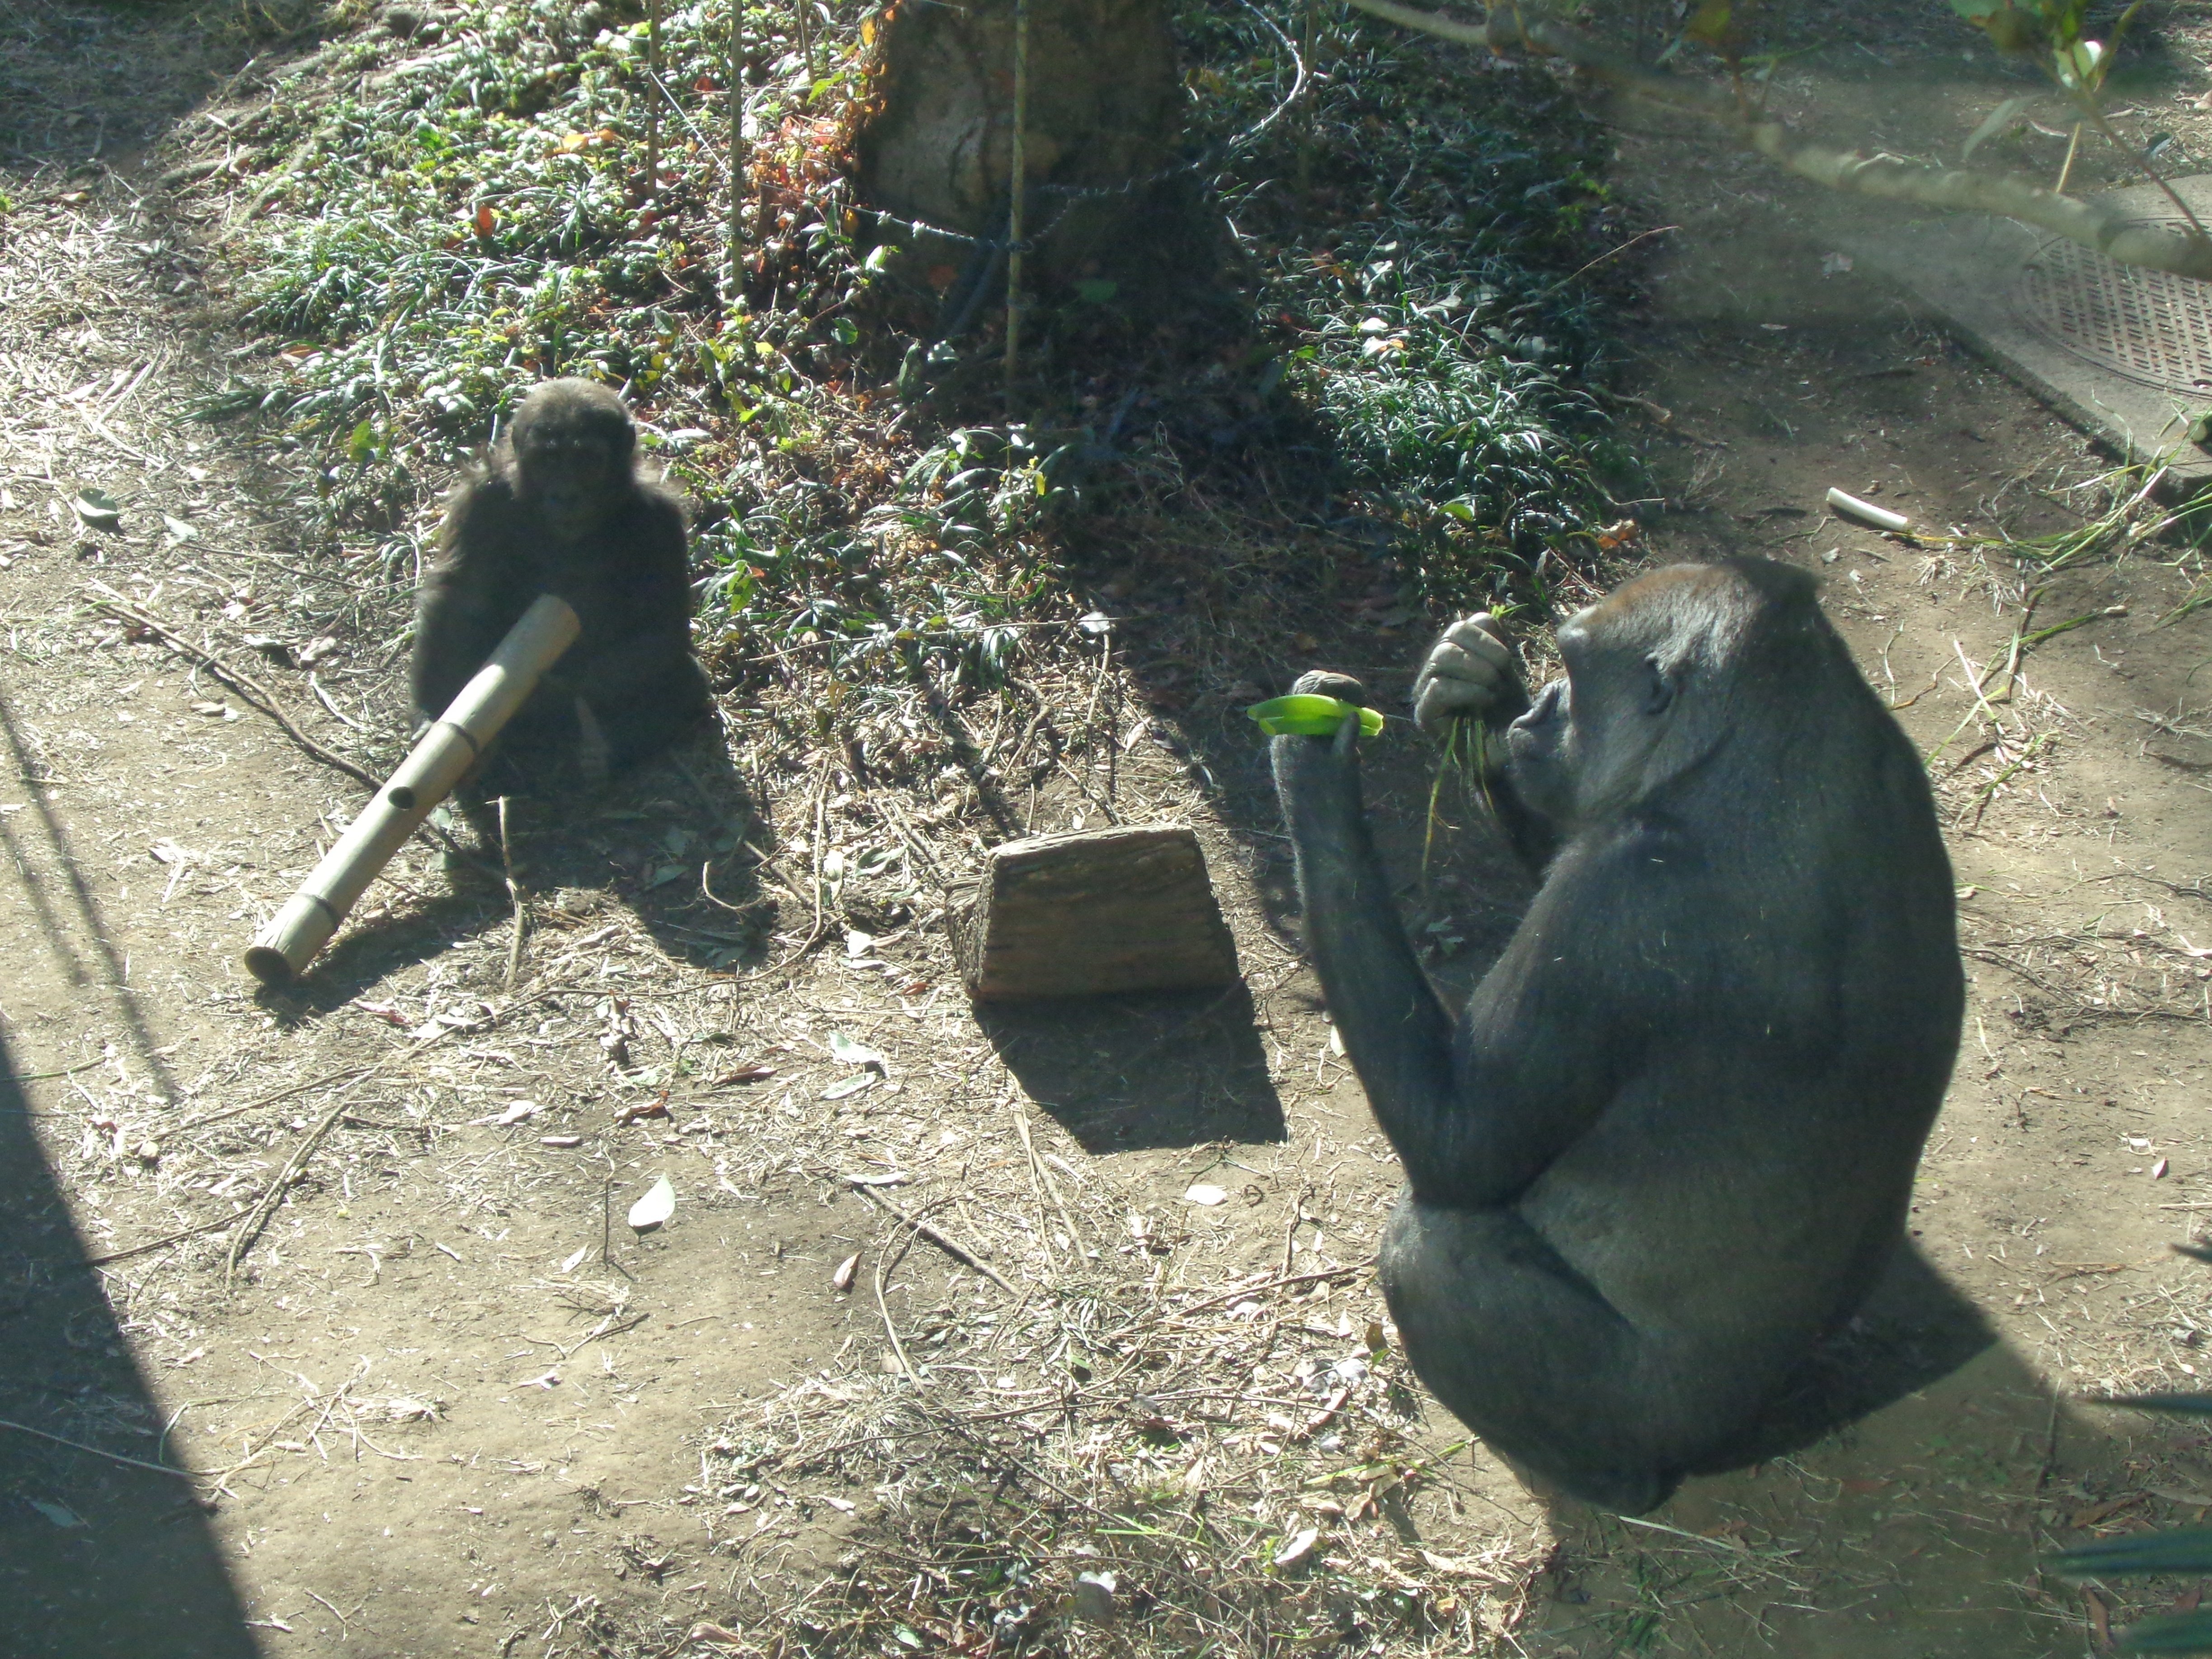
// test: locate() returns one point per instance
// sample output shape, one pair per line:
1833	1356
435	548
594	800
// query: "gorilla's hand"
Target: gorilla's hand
1320	775
1470	670
1324	682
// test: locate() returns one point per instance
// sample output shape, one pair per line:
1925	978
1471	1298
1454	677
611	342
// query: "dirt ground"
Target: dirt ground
357	1254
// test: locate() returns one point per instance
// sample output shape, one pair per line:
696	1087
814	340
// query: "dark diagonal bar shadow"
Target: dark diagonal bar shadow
46	848
99	1559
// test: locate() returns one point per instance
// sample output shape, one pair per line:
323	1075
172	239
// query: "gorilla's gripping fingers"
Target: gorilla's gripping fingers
1470	671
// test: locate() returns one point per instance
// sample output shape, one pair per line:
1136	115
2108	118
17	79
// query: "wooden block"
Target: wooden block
1090	914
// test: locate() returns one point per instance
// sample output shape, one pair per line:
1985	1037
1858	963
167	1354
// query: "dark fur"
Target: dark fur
1671	1141
559	508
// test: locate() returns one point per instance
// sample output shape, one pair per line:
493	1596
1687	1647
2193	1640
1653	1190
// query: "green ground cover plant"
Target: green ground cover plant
427	231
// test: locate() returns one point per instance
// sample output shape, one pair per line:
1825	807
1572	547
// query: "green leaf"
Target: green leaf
361	446
97	509
1096	291
1303	714
1709	22
2196	1405
2082	64
845	331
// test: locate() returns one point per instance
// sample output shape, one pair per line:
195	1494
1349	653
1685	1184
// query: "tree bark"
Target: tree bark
1105	101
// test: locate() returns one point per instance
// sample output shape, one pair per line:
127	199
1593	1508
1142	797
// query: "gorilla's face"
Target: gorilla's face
1584	750
573	448
1596	744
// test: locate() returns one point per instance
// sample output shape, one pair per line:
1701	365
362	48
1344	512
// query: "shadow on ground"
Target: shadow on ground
98	1554
1906	1534
1124	1073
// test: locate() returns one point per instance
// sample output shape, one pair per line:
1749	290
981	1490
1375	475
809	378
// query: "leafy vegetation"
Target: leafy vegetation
476	215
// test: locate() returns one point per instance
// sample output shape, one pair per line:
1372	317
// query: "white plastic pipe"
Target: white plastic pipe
1866	513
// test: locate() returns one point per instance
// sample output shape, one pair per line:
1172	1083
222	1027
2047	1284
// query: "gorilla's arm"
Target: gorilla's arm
1395	1032
633	665
472	597
1476	1114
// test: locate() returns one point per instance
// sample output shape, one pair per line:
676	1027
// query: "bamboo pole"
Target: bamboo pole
443	756
1016	201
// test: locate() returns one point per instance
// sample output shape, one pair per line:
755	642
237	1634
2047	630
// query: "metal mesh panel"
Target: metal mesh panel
2152	327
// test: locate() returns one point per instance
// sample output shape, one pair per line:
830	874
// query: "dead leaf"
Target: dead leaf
1094	1597
2100	1617
1205	1192
842	1279
654	1208
2096	1512
96	509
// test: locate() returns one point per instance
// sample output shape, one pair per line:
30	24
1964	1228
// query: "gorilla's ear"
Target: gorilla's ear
1663	686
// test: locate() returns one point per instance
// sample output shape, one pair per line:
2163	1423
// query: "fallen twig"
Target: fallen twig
951	1246
245	684
113	1457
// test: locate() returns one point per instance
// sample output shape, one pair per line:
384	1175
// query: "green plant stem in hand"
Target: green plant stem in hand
1467	748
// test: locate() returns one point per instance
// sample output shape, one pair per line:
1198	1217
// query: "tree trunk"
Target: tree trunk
1105	102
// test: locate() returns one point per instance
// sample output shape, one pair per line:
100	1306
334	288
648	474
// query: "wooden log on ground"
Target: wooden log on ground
440	759
1090	914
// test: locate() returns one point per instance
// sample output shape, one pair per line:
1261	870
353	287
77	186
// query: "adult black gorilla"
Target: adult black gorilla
1671	1142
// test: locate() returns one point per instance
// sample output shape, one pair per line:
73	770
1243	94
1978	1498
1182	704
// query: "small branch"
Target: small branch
94	1451
1276	1284
2107	229
1018	189
951	1246
884	1268
242	683
514	898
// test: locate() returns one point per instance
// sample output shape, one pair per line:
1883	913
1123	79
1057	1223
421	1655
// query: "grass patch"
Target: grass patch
430	225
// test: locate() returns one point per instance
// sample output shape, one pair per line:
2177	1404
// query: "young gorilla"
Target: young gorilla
559	508
1670	1143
